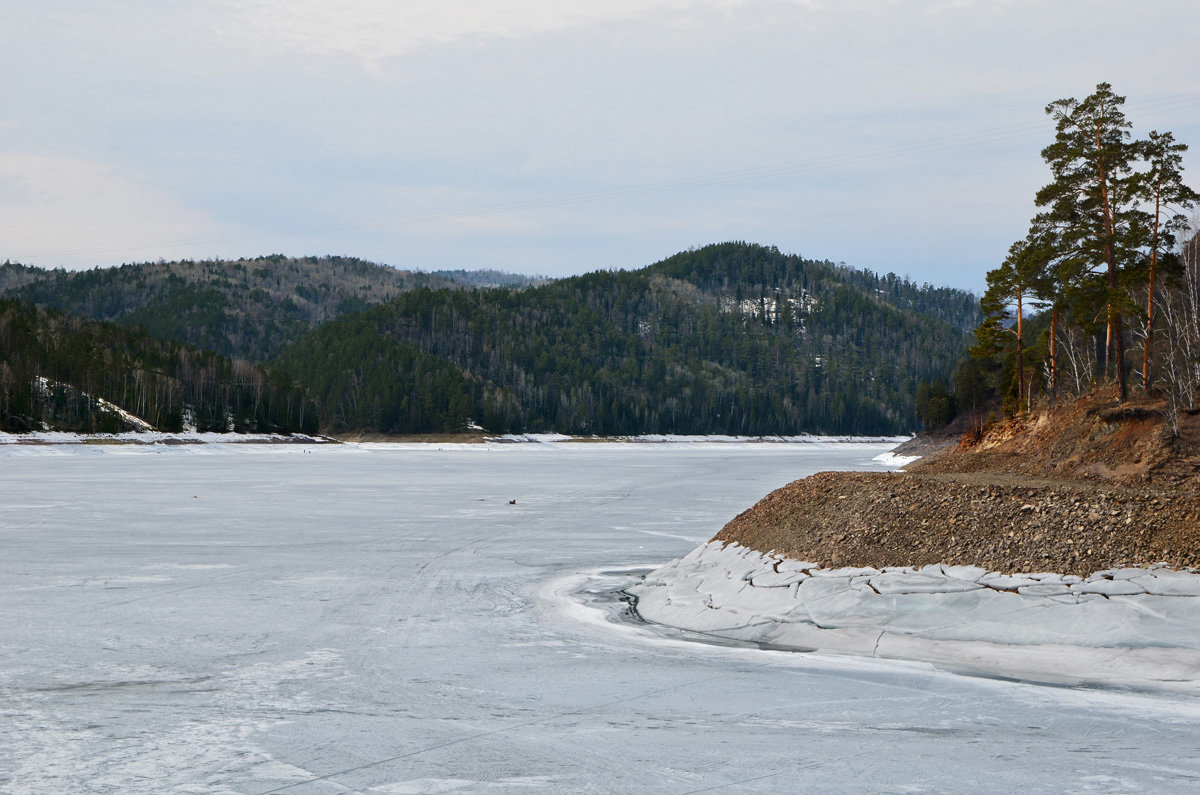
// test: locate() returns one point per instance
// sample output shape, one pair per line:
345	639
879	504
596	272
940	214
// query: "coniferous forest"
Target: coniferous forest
732	338
247	309
62	372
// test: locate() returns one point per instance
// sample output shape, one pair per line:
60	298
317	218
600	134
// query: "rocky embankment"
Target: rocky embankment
1088	486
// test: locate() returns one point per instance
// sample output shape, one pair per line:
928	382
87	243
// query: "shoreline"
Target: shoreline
1075	489
148	438
996	521
1062	542
209	437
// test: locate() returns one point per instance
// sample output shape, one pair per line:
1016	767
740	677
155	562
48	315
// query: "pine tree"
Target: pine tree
1020	279
1112	217
1162	186
1093	199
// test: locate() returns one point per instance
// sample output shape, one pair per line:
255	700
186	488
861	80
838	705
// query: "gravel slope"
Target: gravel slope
1085	487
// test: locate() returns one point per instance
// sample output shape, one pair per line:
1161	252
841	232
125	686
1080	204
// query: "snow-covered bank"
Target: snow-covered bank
1132	627
890	459
661	438
159	438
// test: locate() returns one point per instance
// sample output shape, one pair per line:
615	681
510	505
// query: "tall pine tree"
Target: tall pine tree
1162	187
1093	200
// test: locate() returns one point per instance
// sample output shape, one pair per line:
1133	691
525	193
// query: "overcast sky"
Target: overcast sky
557	137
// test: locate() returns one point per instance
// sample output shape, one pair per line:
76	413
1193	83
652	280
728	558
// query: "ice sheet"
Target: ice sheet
324	619
1141	630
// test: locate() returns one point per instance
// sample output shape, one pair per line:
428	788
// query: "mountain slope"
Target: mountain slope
60	372
732	338
727	268
487	277
249	309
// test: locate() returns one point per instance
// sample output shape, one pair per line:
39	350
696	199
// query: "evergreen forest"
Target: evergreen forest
247	309
62	372
728	339
733	338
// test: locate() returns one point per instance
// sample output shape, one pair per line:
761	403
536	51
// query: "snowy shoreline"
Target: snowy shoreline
552	438
1123	627
147	437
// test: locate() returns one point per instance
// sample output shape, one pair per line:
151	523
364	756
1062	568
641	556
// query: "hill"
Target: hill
248	309
1087	486
61	372
732	338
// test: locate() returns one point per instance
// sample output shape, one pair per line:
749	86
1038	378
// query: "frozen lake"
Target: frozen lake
281	618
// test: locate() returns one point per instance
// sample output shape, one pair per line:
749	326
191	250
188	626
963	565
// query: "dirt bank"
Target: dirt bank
1087	486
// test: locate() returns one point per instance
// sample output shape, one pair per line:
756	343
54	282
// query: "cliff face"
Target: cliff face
1087	486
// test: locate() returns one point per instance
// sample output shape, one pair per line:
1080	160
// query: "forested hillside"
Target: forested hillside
66	373
487	277
248	309
731	338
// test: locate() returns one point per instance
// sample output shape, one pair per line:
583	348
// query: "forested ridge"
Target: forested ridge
732	338
247	309
63	372
488	277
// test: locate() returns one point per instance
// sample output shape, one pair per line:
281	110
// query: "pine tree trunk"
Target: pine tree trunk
1105	372
1020	357
1147	355
1116	346
1054	354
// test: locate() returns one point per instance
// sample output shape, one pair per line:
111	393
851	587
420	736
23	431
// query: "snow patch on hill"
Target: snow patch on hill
152	437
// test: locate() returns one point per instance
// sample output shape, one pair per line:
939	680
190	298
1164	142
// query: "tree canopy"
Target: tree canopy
1097	255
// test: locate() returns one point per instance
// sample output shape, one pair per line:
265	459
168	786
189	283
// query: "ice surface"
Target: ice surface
953	615
324	619
678	439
